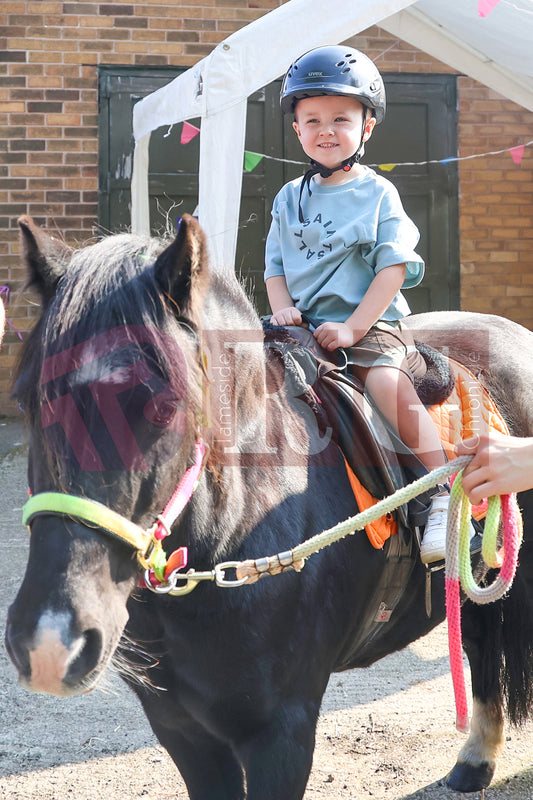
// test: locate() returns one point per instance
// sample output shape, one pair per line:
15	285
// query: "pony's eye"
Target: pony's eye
161	410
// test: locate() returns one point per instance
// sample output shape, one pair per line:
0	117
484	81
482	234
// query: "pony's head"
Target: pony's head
110	377
111	383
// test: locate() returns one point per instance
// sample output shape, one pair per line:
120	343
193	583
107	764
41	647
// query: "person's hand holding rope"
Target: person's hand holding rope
500	465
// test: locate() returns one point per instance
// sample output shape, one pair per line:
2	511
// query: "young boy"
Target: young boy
341	247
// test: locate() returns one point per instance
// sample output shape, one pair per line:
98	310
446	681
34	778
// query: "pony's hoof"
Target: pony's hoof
468	778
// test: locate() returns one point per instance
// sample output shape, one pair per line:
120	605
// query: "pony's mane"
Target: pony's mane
112	285
103	285
107	286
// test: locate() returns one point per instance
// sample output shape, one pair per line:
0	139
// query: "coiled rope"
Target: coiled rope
459	572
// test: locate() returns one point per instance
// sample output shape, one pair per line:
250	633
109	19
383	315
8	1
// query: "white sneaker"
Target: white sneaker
433	546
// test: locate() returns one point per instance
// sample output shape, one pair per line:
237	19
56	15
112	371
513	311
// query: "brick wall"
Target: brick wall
496	205
49	52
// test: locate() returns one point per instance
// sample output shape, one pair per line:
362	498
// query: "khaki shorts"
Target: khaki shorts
387	344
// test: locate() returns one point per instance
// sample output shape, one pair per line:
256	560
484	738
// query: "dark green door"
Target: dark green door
420	126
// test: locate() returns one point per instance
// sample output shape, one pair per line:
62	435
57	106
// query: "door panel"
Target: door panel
421	126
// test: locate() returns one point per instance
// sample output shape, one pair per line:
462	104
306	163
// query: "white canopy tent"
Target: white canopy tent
495	50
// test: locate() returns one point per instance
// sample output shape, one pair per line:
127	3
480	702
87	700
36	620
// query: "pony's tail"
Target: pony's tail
516	634
498	638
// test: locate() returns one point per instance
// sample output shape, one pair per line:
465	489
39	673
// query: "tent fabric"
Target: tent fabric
504	35
456	35
219	85
495	50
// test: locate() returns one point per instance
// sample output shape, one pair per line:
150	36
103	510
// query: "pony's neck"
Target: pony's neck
235	392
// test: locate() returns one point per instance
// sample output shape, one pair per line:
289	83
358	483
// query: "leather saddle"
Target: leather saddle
379	459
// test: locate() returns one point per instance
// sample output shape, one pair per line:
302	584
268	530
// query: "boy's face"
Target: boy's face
329	127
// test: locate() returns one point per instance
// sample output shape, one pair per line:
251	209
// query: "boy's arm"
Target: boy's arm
281	303
377	299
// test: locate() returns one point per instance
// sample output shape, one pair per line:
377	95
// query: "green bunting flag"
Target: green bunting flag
251	160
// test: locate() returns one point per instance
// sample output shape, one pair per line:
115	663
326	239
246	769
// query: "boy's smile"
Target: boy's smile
329	128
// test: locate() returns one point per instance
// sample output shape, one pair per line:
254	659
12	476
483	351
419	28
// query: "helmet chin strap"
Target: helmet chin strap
326	172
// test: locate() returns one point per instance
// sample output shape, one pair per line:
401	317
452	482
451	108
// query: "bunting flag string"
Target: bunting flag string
484	7
251	160
516	8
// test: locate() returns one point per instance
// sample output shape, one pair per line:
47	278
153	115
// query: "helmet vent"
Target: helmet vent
345	64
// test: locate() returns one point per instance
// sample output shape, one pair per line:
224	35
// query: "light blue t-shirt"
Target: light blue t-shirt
349	234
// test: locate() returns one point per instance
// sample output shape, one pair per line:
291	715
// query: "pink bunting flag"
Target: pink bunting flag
484	7
517	153
188	132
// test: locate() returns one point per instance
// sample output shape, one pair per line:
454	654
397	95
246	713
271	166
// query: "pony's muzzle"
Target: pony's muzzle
51	659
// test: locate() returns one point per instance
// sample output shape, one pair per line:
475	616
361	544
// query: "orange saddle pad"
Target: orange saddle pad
468	411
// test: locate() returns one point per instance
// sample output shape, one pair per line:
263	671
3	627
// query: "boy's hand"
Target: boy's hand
335	334
287	316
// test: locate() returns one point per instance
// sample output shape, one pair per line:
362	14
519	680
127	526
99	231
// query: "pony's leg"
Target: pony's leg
208	766
277	760
476	761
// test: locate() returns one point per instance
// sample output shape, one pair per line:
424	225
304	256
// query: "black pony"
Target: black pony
139	359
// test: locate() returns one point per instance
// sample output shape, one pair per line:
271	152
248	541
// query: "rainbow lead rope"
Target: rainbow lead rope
459	572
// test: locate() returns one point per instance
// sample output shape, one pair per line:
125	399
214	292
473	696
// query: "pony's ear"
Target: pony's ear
181	270
46	258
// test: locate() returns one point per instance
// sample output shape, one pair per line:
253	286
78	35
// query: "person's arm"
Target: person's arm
501	465
281	303
378	297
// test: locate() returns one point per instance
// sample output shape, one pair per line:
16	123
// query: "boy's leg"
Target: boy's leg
394	394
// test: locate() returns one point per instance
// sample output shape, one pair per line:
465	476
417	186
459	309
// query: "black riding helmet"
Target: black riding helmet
333	70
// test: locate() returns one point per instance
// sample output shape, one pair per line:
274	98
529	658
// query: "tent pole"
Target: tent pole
140	199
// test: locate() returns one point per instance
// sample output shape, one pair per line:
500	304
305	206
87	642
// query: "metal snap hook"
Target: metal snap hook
220	577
